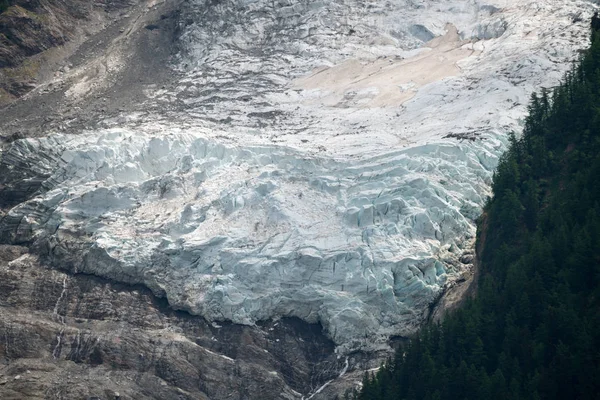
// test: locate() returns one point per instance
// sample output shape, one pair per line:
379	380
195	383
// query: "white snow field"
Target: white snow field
329	162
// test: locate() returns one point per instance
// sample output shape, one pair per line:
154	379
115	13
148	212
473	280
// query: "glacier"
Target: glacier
324	160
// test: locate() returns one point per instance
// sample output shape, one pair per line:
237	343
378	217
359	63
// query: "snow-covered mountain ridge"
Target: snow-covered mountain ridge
328	164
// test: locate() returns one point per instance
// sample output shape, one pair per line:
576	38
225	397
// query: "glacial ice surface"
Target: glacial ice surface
316	171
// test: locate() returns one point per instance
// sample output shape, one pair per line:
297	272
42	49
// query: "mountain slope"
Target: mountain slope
35	37
252	163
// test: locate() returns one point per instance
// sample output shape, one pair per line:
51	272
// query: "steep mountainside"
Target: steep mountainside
319	163
75	337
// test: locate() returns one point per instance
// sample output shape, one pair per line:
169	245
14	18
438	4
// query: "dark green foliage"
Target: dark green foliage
533	332
4	4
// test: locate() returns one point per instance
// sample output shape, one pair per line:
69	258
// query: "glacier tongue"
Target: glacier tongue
249	233
344	196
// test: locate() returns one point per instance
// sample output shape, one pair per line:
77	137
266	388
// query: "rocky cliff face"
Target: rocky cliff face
77	336
315	165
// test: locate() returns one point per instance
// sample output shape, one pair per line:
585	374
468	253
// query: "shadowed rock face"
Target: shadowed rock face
78	336
27	29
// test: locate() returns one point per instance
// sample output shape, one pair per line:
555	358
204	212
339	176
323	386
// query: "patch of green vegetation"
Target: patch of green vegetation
4	4
27	71
20	12
5	97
